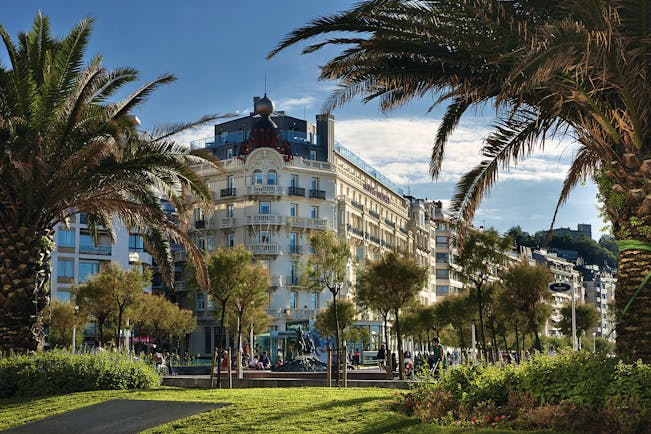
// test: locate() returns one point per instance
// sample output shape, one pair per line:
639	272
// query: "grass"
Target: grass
271	410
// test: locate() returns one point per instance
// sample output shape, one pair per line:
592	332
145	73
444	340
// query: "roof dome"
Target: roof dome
265	106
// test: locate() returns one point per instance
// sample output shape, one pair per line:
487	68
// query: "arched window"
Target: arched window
271	177
256	178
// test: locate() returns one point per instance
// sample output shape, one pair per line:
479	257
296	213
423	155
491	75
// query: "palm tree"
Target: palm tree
67	148
556	68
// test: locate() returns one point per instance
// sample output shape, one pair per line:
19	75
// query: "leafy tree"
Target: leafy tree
325	319
69	145
161	318
61	318
96	299
587	318
526	289
521	238
576	69
368	296
397	279
480	253
228	273
457	311
250	298
326	267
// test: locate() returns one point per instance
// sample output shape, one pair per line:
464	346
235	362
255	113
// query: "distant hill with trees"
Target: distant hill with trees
603	252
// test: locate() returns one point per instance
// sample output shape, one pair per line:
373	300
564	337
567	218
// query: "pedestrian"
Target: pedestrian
437	357
357	359
382	356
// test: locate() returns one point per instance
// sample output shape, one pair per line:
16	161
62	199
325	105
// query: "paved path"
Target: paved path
116	416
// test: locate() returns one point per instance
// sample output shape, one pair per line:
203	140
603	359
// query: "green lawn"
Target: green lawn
280	410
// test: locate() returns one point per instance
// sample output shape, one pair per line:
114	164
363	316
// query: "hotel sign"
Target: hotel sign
378	194
559	287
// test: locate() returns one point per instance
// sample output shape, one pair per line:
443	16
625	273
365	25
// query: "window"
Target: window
293	299
442	226
293	245
256	178
87	269
312	155
229	153
229	211
264	208
314	300
441	258
293	209
293	273
265	237
63	295
230	240
210	243
207	340
198	215
442	290
201	243
83	218
360	253
443	274
65	269
271	177
66	238
441	241
314	212
201	301
293	181
315	183
229	181
136	243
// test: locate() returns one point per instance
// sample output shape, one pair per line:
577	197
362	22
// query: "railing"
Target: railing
292	280
404	230
296	191
91	249
180	256
264	219
375	240
302	162
199	224
355	231
180	286
264	249
307	222
227	222
317	194
276	280
276	313
295	250
390	223
374	214
264	189
301	313
357	205
227	192
355	159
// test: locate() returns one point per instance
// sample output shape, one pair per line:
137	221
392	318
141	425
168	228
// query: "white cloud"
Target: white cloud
293	103
203	132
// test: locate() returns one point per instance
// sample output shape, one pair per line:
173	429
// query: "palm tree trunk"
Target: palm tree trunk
633	327
25	255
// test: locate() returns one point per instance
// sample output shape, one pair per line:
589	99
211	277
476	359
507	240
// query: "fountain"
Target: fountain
306	360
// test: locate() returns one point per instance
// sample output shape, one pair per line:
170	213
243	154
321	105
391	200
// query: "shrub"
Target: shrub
58	372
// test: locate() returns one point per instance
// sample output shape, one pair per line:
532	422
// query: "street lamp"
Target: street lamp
75	310
134	258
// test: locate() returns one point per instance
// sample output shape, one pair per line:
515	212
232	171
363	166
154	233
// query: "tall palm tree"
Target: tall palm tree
66	148
564	68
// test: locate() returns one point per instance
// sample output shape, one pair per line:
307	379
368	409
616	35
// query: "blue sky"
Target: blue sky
217	50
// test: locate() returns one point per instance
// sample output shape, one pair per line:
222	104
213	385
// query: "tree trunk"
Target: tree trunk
401	353
25	255
517	344
482	335
221	345
385	318
334	292
117	333
633	327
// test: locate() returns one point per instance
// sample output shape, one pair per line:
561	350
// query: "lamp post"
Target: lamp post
75	310
134	258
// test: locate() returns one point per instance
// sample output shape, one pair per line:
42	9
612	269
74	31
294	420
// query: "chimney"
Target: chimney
325	130
255	104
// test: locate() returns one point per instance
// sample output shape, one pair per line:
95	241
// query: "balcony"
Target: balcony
180	256
264	249
292	280
180	286
265	190
307	222
295	250
90	249
296	191
227	192
374	214
373	239
317	194
404	230
357	205
276	280
227	222
390	223
264	219
301	313
199	224
355	231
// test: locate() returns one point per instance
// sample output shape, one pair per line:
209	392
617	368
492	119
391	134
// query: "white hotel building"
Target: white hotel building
283	178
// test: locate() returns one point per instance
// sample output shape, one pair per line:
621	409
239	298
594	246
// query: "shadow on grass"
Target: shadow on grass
391	425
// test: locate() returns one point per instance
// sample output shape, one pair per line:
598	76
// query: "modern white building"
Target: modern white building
76	257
